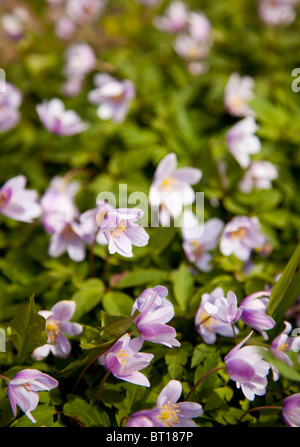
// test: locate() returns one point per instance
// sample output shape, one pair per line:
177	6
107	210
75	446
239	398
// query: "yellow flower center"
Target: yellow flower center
68	233
118	98
169	183
197	249
168	415
26	386
53	331
123	357
119	230
238	234
284	347
237	101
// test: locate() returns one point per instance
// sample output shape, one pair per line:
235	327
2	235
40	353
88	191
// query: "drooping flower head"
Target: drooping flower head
156	310
280	346
225	310
17	202
245	366
112	97
193	43
149	2
121	230
125	361
24	387
13	25
291	410
168	412
56	326
277	12
198	239
207	326
242	141
174	19
238	92
254	312
59	121
10	102
80	60
259	175
85	11
69	236
170	189
241	236
58	203
65	27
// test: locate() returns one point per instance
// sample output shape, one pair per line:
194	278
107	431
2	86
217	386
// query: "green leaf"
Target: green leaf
84	413
91	337
142	276
279	218
284	280
28	329
119	327
201	352
43	414
218	397
87	297
82	362
117	303
183	283
176	360
289	297
284	369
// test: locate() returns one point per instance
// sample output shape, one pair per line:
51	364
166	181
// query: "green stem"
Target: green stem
101	385
202	378
269	407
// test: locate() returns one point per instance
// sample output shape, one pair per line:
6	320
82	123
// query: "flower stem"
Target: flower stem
124	418
204	320
268	407
4	377
101	385
202	378
92	268
234	333
91	362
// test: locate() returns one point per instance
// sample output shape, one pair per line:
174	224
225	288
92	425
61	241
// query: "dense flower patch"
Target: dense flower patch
149	183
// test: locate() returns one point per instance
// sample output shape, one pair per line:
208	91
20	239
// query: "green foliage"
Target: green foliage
27	330
175	111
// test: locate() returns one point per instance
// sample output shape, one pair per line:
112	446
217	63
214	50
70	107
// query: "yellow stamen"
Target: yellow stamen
236	101
284	347
168	414
169	183
26	386
53	331
123	357
68	232
197	249
119	230
238	234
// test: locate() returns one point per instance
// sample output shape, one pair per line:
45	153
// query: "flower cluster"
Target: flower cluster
193	37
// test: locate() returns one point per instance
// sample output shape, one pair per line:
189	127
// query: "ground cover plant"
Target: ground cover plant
149	208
